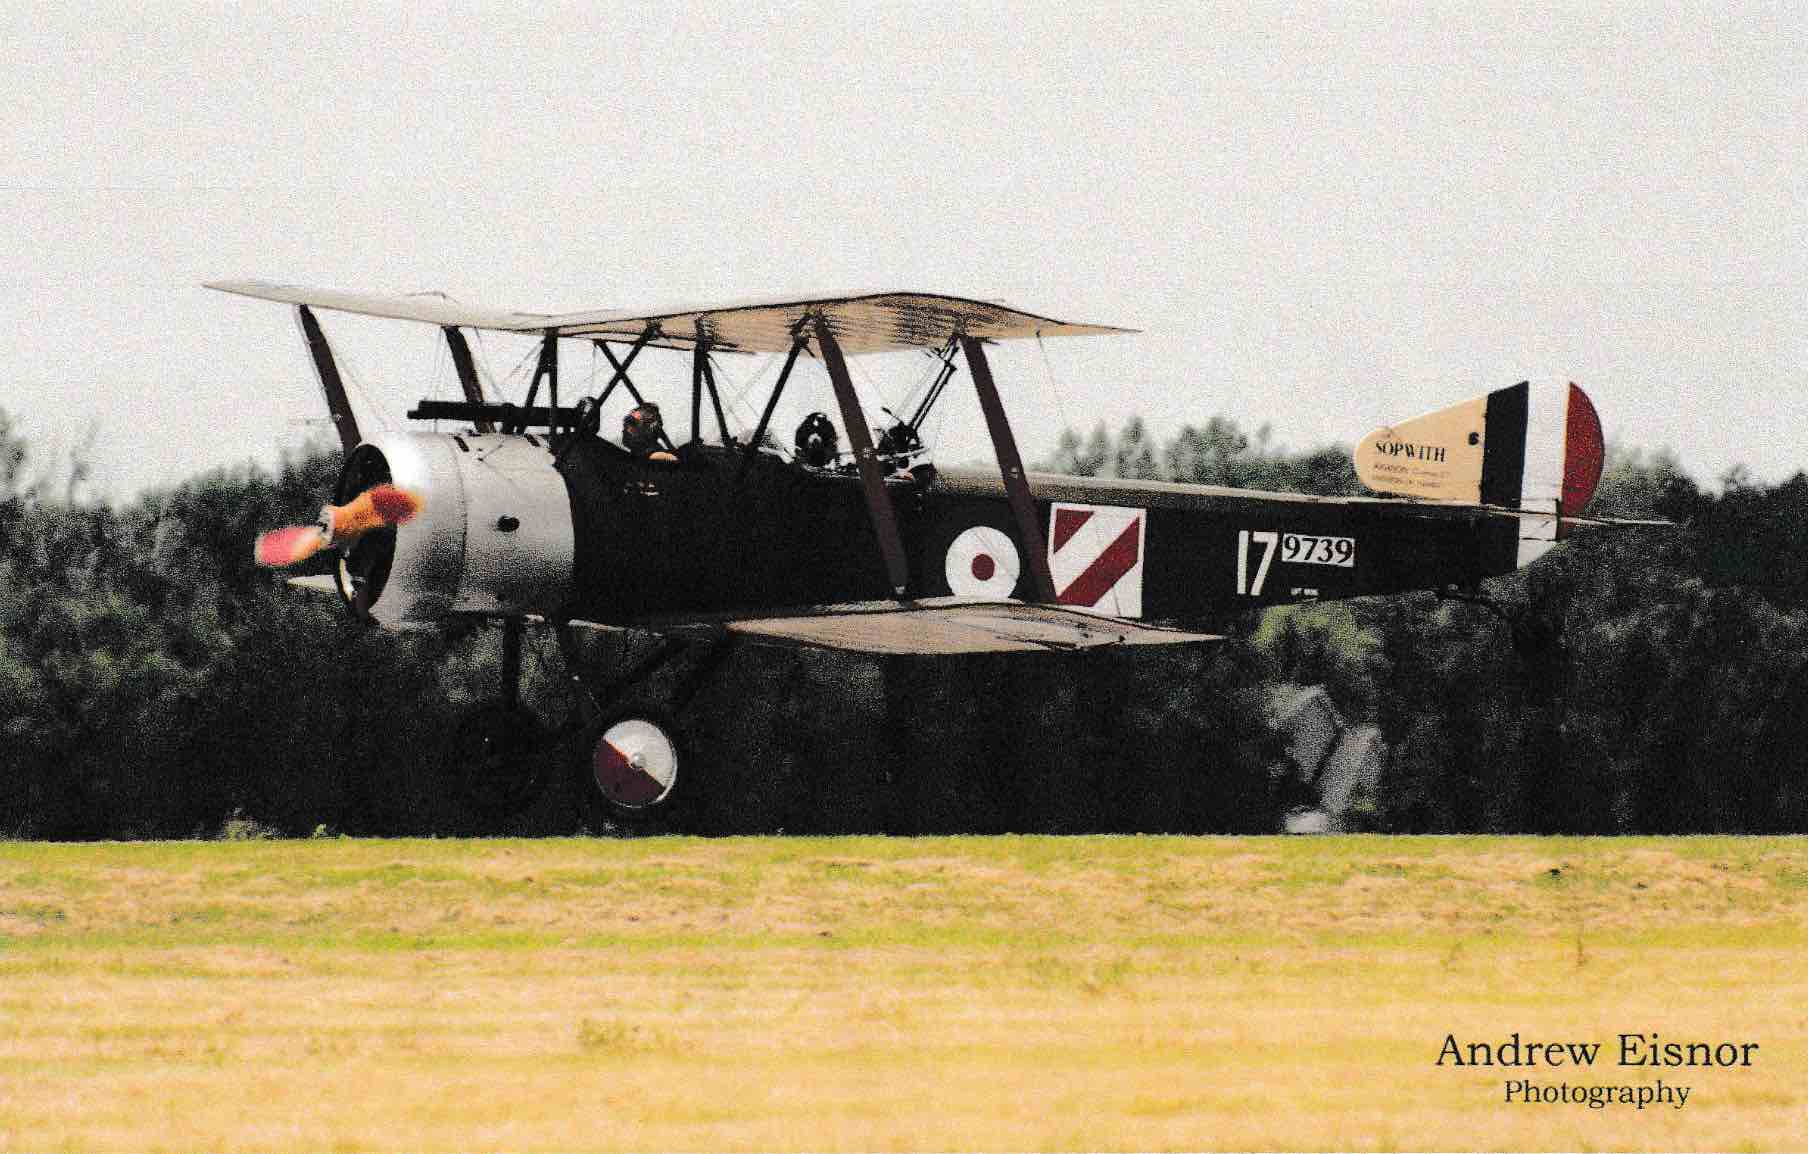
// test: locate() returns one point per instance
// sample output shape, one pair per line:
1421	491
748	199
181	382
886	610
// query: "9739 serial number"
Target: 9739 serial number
1301	549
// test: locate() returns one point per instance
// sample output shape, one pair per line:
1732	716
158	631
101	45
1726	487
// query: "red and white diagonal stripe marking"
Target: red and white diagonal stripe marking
1095	553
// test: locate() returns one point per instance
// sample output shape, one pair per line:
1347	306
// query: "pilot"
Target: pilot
640	431
817	441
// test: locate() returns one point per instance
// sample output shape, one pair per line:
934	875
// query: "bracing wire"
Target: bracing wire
928	376
480	357
436	379
1092	530
1054	387
738	401
348	372
872	390
931	444
532	354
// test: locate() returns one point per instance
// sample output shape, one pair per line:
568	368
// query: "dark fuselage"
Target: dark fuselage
717	532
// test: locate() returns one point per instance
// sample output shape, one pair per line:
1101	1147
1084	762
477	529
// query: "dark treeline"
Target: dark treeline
153	682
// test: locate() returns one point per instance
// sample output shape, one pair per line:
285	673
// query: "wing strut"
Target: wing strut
878	502
337	406
778	389
547	370
621	366
549	364
705	377
1010	463
467	373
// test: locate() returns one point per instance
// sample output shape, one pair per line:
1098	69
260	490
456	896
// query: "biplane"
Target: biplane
531	514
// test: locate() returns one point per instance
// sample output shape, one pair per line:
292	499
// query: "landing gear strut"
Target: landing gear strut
497	748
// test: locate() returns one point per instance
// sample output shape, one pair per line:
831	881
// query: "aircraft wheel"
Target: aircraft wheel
494	762
634	770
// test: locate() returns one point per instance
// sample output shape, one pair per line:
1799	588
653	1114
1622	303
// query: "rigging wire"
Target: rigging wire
941	421
532	354
1091	529
348	372
909	401
739	399
872	390
480	359
1054	387
732	403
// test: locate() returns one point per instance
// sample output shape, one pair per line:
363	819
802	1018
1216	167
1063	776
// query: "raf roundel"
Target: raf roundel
982	562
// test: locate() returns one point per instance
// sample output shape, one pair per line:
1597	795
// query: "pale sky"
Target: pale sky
1322	217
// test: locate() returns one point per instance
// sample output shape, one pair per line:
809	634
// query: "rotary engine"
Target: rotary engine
491	534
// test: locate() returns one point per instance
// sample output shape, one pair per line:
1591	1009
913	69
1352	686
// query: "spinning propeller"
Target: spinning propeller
380	507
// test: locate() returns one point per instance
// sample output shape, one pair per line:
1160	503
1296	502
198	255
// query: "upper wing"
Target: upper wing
936	626
880	322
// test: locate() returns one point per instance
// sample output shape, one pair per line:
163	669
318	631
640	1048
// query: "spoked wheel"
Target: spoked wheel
495	762
635	771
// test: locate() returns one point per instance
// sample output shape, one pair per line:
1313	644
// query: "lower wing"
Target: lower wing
942	625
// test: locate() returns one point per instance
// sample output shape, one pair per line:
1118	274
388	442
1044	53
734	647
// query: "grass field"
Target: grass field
871	993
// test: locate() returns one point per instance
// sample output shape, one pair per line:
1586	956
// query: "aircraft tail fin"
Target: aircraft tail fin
1521	447
1533	449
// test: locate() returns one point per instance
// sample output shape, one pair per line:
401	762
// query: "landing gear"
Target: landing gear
627	757
633	767
496	750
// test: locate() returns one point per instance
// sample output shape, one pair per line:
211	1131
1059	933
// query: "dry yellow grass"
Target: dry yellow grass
982	993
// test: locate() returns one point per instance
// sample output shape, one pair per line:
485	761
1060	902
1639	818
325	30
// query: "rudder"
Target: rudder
1533	449
1518	447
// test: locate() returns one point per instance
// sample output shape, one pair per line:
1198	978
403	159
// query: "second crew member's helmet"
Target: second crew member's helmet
640	429
817	441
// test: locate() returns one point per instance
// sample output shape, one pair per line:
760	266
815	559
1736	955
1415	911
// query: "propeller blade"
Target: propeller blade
376	508
380	507
281	548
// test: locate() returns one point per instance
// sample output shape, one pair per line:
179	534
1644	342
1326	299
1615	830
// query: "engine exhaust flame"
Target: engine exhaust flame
379	507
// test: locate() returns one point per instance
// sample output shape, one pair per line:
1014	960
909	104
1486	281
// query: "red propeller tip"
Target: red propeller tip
394	505
280	548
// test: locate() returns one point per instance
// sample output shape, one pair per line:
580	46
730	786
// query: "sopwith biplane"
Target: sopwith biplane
528	514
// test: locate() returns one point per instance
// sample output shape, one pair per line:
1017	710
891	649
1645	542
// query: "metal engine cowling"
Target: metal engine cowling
494	535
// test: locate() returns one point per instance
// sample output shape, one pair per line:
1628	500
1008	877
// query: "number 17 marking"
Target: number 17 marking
1269	540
